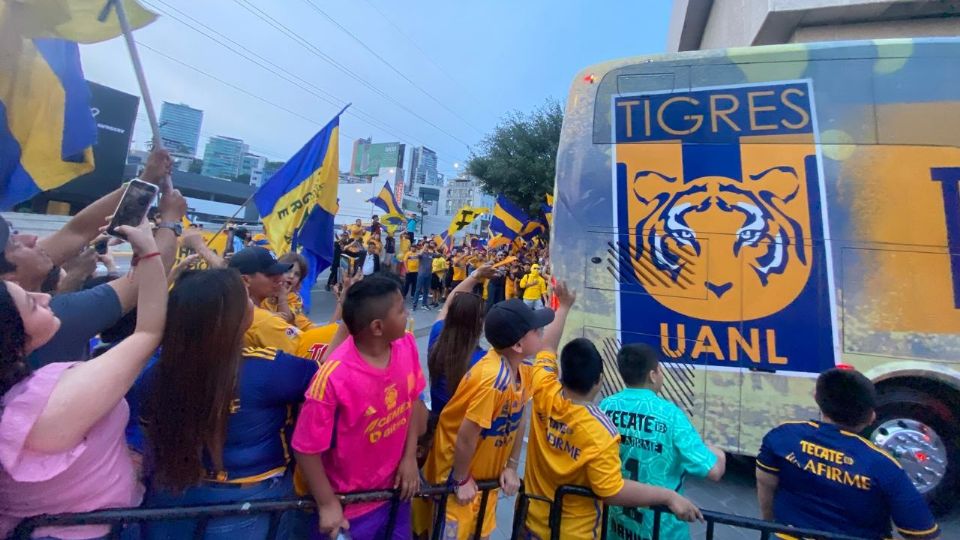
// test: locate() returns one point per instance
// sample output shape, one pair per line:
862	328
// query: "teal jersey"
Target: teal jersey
658	446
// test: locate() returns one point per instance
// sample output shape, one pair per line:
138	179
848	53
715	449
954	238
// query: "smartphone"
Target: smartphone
101	247
137	199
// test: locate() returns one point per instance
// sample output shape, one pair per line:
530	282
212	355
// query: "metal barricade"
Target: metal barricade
117	519
712	519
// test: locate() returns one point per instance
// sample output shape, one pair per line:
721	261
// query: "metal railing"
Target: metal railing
117	519
712	519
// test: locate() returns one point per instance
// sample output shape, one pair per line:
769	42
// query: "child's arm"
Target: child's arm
328	505
509	479
408	475
468	436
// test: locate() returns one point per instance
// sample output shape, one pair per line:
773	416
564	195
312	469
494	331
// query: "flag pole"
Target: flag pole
137	66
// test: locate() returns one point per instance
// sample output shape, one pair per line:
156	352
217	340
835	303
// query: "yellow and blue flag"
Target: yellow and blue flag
46	128
298	203
508	219
386	201
464	217
548	210
531	230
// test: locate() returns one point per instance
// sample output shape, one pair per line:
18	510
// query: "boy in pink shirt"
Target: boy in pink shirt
355	431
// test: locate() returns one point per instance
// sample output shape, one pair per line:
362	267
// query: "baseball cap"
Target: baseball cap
508	321
257	259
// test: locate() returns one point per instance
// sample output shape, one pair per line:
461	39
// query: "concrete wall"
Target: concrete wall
717	24
879	30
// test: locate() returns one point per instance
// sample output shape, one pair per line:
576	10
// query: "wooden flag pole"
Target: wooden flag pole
137	66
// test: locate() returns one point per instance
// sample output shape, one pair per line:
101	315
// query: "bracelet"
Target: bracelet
137	258
463	482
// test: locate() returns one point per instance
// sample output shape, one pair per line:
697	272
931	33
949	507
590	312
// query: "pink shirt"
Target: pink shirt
95	474
357	417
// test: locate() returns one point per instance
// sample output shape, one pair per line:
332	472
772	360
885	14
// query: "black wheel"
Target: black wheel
921	431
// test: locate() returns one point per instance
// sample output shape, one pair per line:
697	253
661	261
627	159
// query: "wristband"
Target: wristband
463	482
137	258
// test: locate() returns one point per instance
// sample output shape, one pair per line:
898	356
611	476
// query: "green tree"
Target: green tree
519	158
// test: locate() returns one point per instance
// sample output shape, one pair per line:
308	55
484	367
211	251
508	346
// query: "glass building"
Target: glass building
180	128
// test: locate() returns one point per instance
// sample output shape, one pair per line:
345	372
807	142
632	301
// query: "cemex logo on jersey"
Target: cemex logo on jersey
718	192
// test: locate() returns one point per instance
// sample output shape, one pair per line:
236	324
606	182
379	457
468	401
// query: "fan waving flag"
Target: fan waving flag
47	130
508	219
298	203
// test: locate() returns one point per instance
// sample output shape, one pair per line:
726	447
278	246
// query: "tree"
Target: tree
519	158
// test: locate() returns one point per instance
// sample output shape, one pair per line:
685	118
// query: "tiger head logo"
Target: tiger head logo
721	232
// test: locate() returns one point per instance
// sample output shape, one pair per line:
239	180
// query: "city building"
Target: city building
180	128
466	191
716	24
368	158
423	167
251	169
223	157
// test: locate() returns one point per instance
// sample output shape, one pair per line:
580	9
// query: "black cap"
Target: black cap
257	259
508	321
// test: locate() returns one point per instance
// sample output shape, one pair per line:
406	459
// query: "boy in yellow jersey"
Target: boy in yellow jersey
263	276
479	434
573	442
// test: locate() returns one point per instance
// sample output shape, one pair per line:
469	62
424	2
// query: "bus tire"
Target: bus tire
901	408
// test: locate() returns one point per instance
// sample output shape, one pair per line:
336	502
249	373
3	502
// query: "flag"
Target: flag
464	217
508	219
532	230
497	241
443	241
548	210
386	201
299	201
47	130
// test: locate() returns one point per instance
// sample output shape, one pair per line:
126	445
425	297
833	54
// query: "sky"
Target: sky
437	73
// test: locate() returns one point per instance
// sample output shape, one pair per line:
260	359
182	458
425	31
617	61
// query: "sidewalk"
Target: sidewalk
323	304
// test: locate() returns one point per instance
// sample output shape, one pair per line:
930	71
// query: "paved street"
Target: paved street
735	494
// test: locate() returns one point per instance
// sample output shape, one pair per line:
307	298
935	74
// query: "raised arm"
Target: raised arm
193	239
85	226
466	286
172	209
554	331
88	391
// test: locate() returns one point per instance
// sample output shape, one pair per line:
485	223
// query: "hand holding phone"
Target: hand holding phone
134	204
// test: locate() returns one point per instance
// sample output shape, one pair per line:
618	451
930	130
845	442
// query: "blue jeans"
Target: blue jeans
423	288
229	528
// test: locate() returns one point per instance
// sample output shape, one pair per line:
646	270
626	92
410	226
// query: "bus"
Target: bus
763	214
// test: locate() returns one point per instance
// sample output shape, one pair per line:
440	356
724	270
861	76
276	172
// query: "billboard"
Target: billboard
373	157
115	113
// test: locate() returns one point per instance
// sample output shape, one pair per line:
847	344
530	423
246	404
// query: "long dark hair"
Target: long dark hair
13	342
450	355
195	380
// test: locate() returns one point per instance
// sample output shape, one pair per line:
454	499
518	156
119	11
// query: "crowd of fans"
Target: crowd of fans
171	386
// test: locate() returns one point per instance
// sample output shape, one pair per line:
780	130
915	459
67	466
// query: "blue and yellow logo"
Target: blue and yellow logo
720	201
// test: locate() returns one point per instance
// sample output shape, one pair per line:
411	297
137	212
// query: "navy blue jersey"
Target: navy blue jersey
271	386
833	480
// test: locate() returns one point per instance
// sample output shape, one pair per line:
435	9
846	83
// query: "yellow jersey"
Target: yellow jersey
314	342
459	269
534	286
269	330
439	266
570	443
490	396
356	231
413	263
295	303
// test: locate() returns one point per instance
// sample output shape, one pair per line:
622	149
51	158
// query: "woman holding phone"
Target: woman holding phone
63	447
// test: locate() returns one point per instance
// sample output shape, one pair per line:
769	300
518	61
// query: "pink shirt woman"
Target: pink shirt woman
62	445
